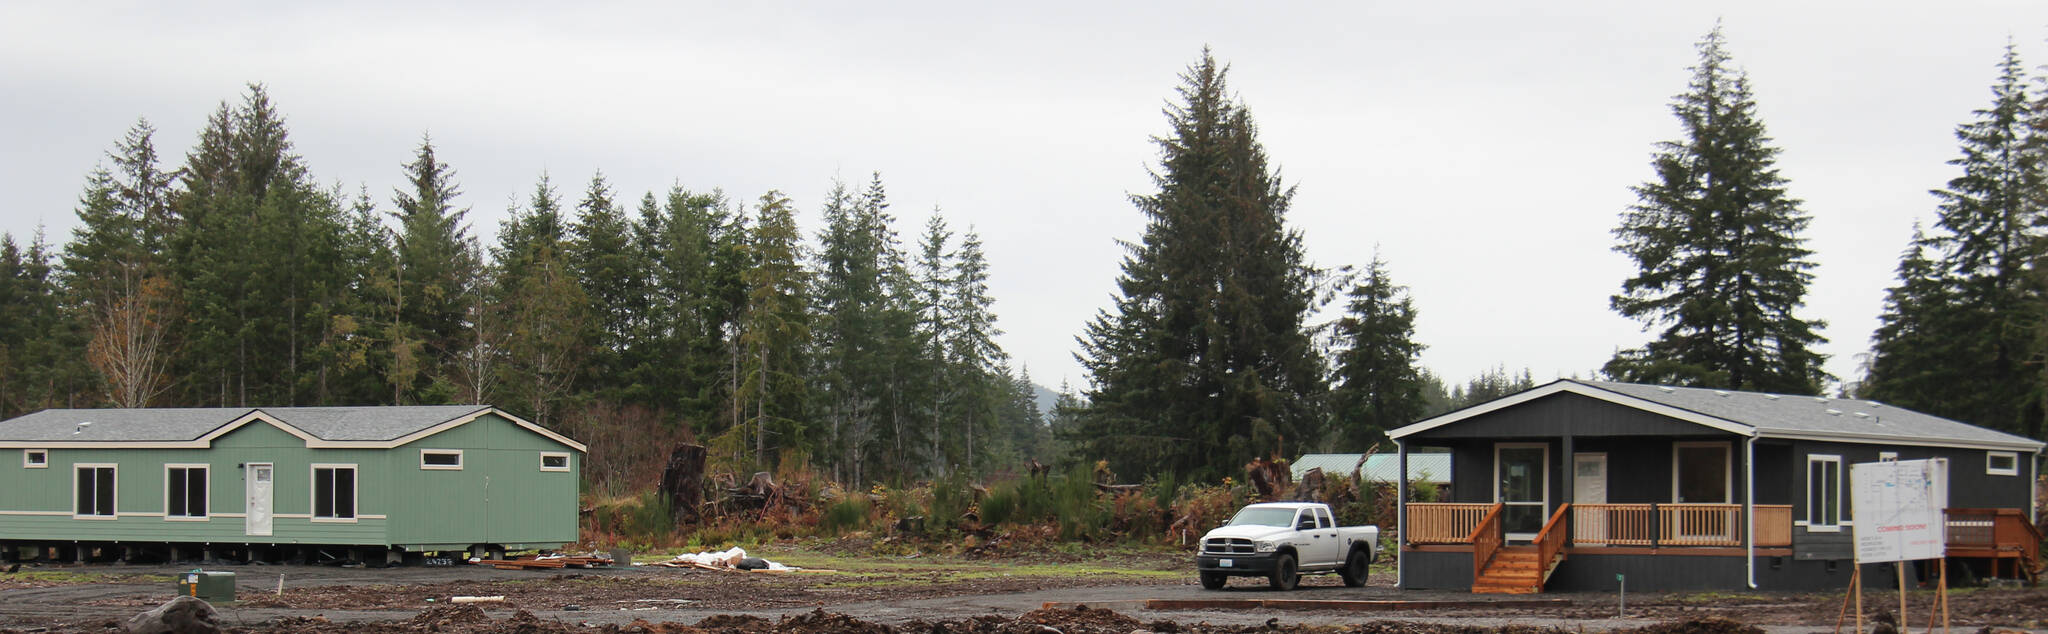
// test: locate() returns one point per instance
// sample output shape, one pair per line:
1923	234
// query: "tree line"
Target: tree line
1210	355
235	279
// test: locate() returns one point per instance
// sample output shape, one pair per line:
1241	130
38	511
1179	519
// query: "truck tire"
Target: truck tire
1284	574
1356	566
1213	580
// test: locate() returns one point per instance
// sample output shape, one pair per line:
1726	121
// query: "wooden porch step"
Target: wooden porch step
1514	570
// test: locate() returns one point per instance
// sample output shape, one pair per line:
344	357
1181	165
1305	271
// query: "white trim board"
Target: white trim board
206	441
1568	386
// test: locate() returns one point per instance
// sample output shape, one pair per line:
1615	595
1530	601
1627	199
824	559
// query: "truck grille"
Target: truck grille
1227	546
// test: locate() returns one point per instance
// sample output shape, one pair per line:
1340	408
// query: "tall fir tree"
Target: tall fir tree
608	268
1972	317
1377	384
41	346
115	274
437	271
774	333
1721	264
1205	359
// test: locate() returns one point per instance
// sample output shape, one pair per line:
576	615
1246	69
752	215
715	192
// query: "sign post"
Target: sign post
1898	517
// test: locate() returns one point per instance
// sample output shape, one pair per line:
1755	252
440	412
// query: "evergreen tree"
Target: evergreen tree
975	361
774	332
1971	318
1378	384
1721	264
864	327
611	274
437	269
1205	359
115	275
41	347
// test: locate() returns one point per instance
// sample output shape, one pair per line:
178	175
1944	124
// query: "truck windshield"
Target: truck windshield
1263	517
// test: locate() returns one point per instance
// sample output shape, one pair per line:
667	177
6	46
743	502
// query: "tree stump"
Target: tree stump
682	482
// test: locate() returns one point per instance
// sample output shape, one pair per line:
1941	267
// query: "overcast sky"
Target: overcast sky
1486	149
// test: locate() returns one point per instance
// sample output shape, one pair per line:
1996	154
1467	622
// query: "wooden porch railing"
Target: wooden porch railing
1613	525
1994	533
1550	541
1715	525
1441	523
1486	539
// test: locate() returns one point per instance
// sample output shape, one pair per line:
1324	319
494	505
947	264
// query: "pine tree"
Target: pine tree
1378	384
1971	318
41	348
1722	266
115	273
774	331
1205	359
1910	364
608	268
437	269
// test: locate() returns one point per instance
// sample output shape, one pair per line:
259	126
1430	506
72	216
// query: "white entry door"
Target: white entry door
1589	486
257	508
1589	478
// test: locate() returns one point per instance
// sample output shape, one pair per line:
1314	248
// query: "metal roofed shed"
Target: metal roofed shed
1423	467
285	482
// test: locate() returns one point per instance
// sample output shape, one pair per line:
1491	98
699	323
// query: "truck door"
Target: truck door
1318	537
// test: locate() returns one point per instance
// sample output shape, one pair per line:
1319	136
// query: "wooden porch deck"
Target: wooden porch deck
2002	536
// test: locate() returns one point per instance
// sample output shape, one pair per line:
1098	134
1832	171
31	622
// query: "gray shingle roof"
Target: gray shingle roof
1791	415
186	424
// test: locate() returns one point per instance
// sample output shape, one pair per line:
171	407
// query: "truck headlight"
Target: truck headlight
1265	547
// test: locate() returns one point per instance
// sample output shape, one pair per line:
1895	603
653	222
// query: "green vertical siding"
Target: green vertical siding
500	496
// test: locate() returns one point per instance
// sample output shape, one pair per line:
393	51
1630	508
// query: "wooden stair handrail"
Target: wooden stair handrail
1486	539
1550	542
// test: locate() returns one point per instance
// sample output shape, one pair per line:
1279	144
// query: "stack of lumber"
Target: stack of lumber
539	562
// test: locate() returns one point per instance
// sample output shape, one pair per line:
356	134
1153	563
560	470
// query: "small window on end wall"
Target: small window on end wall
554	461
35	458
2001	463
448	459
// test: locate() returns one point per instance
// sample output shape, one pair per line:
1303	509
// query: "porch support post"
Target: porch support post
1749	508
1401	514
1571	478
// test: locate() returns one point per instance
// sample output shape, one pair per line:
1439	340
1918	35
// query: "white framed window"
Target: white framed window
35	458
1823	493
554	461
93	486
185	491
441	459
2001	463
334	493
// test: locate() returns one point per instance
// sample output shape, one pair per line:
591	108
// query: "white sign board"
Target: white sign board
1897	507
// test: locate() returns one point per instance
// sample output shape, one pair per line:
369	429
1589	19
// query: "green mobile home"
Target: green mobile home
284	482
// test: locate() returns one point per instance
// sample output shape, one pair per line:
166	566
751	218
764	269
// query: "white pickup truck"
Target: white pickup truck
1282	541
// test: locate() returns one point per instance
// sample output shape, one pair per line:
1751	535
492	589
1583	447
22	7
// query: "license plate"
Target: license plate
1223	563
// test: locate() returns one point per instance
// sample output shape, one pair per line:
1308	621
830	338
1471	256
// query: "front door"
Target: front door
1701	476
1521	486
257	508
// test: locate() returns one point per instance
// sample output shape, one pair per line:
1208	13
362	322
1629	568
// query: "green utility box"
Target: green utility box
211	587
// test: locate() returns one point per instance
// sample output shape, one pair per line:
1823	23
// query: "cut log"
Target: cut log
682	482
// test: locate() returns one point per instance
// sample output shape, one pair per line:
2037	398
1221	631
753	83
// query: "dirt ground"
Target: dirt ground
1000	597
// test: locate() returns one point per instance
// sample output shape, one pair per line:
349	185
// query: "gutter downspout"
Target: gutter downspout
1401	515
1749	506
